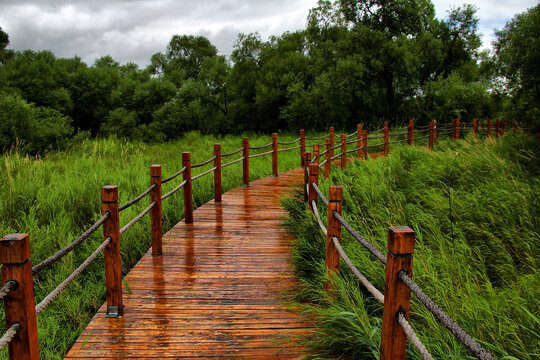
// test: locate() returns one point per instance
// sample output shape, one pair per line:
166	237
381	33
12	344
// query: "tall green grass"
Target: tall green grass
56	197
474	206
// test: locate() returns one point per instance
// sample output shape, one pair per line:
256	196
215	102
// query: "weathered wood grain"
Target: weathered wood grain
216	292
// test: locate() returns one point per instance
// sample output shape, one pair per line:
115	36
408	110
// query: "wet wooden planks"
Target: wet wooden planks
215	292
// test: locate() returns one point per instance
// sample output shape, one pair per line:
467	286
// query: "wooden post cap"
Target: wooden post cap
14	249
186	156
401	240
155	170
109	193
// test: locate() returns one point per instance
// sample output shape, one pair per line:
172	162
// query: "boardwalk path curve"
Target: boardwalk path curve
215	292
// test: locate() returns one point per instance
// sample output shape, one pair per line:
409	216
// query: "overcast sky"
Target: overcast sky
133	30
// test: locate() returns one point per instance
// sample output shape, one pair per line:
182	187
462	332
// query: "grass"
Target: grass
474	206
54	198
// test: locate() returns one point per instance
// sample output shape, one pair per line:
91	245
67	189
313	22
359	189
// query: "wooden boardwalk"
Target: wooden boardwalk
215	292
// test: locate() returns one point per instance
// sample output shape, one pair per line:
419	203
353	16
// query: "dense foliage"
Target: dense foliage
474	206
356	61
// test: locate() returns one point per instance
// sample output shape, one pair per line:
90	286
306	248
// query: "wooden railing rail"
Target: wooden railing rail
17	272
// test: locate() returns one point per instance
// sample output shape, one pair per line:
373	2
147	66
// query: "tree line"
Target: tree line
364	61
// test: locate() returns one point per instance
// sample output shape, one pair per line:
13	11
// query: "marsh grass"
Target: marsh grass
54	198
474	206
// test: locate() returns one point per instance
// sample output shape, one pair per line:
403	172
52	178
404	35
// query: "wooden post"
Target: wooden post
343	151
302	146
155	195
386	139
331	135
475	126
497	128
313	178
274	154
359	132
430	144
245	162
488	125
434	131
305	166
327	145
335	198
411	125
316	151
397	295
364	150
113	259
217	173
458	126
20	303
188	191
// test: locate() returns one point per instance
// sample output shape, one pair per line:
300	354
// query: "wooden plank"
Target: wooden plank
216	292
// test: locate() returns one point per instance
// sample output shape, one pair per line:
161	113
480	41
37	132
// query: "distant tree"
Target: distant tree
183	58
4	39
517	52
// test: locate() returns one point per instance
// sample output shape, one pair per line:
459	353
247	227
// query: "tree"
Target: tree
517	51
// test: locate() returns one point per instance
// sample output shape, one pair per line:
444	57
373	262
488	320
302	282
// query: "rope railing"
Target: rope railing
137	199
137	218
64	251
203	173
261	154
232	153
318	138
173	176
289	142
336	156
203	163
9	335
8	286
397	134
64	284
353	150
324	162
174	190
260	147
375	145
291	148
413	338
232	162
352	134
318	217
375	137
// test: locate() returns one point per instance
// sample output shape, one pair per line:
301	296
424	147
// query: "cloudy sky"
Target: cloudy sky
133	30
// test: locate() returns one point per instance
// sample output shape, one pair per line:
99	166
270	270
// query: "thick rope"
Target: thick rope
353	150
204	173
379	255
369	286
173	176
205	162
324	162
232	153
352	134
323	153
174	190
320	194
232	162
398	134
378	131
289	142
318	217
314	158
336	146
375	137
421	131
261	154
138	217
292	148
137	199
413	338
260	147
398	141
9	335
49	298
421	137
9	285
376	145
62	252
338	155
353	141
444	319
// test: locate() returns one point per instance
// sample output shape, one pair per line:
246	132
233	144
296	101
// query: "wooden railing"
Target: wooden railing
17	271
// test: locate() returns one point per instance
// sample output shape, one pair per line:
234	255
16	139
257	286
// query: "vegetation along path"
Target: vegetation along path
215	291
